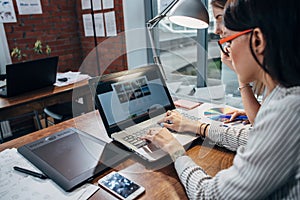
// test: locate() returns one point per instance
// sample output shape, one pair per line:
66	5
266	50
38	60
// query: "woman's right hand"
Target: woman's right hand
227	60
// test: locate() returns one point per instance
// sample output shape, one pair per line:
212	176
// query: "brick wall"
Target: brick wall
61	27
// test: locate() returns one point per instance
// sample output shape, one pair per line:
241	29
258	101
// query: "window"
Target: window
4	51
183	54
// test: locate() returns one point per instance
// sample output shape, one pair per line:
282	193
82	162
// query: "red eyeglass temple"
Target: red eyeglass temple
226	39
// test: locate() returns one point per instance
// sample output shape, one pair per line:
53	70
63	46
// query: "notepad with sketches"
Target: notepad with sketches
211	113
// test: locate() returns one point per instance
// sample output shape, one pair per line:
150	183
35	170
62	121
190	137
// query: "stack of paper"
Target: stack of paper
71	77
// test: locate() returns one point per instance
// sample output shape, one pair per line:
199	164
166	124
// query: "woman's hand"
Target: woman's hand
173	120
227	60
234	114
162	138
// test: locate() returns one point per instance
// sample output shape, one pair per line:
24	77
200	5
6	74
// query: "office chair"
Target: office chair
58	112
62	111
18	126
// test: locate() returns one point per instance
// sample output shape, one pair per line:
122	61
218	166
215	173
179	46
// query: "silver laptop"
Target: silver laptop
132	101
29	75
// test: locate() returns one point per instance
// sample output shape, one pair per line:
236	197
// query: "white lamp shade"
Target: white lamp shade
190	13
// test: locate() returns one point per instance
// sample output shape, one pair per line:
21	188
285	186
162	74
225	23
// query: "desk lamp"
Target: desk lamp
188	13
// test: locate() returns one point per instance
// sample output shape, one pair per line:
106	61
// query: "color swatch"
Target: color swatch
215	113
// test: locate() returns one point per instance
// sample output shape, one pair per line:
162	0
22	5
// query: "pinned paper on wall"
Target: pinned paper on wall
7	12
88	25
29	7
105	22
99	25
107	4
110	24
86	4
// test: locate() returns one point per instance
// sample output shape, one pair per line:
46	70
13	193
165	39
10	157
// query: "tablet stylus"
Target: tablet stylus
26	171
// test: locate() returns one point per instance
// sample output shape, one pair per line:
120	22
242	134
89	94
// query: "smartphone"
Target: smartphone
121	186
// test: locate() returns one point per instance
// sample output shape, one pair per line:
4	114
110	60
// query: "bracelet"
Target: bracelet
200	130
205	130
244	86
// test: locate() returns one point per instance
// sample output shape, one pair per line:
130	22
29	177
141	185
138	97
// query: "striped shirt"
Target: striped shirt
230	137
267	167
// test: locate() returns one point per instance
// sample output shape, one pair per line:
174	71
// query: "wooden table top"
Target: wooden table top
159	179
39	99
38	94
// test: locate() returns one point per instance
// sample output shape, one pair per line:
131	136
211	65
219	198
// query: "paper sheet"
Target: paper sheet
86	4
200	112
72	77
107	4
88	25
110	22
7	12
29	7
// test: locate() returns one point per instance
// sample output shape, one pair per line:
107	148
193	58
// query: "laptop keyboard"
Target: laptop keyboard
188	115
135	137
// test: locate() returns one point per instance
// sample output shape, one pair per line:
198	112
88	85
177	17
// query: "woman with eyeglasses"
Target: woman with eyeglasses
262	41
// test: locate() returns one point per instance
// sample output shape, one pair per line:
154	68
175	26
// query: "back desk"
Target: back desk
160	182
38	99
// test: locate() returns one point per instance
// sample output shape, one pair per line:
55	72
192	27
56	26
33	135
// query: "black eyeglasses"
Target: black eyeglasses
224	42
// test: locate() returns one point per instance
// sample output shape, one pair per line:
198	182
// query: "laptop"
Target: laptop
29	75
132	101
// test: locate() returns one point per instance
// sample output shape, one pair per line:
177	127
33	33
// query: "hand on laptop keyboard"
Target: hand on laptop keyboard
135	138
176	121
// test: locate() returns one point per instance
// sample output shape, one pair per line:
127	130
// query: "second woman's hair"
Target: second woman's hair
279	22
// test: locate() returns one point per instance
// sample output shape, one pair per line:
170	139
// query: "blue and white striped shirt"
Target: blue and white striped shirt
267	167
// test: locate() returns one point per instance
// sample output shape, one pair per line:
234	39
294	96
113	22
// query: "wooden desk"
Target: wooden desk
160	182
38	99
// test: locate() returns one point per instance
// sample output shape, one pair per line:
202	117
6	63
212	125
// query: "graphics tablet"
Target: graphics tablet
72	157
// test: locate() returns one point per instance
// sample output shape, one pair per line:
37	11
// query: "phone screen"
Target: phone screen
120	185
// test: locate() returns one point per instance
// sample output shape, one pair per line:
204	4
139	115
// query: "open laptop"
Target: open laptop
29	75
132	101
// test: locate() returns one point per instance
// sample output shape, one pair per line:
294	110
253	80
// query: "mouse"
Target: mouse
62	79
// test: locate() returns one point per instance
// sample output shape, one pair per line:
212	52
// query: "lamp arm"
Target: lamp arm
156	58
150	25
154	21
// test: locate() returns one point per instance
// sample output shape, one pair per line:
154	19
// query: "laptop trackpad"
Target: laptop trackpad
151	154
150	148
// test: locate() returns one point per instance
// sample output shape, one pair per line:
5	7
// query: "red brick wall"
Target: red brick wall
61	27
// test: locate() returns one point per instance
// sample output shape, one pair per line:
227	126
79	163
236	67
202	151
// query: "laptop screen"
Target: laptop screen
130	97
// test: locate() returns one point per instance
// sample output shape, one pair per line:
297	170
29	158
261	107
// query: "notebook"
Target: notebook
29	75
132	101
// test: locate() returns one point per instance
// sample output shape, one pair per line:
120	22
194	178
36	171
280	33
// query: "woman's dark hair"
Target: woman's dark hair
218	3
279	22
